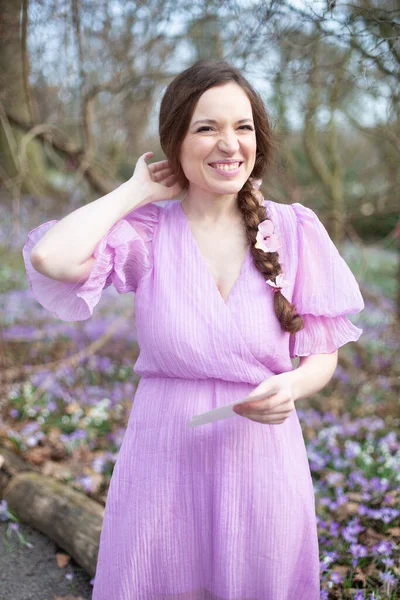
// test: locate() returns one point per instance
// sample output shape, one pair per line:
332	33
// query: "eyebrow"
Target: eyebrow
213	122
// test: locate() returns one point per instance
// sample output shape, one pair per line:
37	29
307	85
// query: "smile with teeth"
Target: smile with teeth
225	166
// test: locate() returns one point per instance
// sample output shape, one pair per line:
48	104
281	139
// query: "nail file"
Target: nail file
223	412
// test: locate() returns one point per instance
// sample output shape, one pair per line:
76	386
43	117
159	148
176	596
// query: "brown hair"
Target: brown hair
177	107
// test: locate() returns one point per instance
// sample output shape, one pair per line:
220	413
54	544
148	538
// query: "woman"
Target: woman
228	288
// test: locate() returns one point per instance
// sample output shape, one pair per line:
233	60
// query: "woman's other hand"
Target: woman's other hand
278	403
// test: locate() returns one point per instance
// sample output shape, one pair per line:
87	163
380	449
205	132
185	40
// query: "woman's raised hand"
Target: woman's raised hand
157	178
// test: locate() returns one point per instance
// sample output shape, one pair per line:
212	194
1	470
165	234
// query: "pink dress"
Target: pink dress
223	511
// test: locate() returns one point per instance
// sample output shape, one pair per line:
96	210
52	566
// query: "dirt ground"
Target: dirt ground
33	573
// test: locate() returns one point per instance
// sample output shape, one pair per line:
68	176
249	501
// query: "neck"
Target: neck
212	209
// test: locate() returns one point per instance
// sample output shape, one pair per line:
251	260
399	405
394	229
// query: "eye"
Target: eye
249	127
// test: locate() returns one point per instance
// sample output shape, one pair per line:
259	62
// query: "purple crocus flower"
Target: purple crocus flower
388	578
358	550
336	577
383	547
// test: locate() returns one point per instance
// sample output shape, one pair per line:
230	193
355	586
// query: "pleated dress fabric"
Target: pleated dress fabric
226	510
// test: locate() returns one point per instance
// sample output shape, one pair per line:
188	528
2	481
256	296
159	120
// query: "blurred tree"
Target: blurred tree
370	27
205	35
325	158
23	163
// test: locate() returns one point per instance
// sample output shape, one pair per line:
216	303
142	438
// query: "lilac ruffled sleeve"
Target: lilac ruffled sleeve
123	257
325	290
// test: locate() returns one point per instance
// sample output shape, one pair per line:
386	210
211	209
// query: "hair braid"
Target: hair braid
266	262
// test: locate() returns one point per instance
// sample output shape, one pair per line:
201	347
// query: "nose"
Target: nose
228	141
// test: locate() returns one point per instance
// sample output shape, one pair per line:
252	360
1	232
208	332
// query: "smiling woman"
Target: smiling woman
225	510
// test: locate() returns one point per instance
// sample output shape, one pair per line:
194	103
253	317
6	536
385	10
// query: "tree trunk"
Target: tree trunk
14	99
205	35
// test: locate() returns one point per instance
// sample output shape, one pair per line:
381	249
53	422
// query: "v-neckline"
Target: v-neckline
204	262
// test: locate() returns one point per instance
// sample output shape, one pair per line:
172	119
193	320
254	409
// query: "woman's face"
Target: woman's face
225	141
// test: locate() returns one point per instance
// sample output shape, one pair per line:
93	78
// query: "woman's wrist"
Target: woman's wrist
313	374
134	194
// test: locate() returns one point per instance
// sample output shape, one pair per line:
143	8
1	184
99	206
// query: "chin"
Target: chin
227	187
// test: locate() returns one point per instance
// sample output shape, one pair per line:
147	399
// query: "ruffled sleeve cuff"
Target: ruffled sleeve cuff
323	335
123	257
325	290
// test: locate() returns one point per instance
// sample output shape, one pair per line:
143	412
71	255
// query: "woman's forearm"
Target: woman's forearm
64	248
313	373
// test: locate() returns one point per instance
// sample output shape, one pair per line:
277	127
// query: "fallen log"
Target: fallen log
68	517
